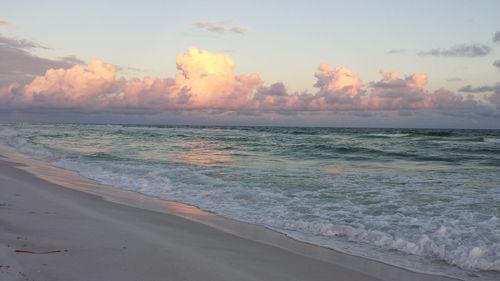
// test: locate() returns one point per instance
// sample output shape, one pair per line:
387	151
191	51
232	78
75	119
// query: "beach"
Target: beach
232	141
49	232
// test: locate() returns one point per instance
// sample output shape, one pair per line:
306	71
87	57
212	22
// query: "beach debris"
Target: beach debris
42	252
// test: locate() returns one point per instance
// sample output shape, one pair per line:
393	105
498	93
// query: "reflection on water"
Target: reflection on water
203	153
335	169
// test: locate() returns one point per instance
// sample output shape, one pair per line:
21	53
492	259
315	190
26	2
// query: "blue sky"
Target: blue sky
284	41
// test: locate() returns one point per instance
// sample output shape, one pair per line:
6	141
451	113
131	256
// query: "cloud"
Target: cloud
210	79
18	64
396	51
494	98
239	29
220	28
496	37
210	26
71	59
496	64
206	81
393	92
481	89
4	22
338	88
19	43
462	50
73	87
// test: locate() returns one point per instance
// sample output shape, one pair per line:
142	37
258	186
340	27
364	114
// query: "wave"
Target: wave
439	245
492	140
106	156
393	135
363	153
142	132
432	133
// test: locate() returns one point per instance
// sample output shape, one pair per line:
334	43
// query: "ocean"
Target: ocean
423	199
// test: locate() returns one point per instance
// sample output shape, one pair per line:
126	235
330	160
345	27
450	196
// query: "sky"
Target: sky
307	63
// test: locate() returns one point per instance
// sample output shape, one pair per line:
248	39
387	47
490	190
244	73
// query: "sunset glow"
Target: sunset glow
250	140
206	81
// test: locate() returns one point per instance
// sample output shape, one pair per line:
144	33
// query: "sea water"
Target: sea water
428	200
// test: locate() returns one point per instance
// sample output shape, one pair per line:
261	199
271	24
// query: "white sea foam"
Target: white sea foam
440	245
394	135
492	140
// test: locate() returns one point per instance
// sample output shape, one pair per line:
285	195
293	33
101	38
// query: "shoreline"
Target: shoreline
71	180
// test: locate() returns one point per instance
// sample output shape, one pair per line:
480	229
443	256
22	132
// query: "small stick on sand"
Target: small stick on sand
32	252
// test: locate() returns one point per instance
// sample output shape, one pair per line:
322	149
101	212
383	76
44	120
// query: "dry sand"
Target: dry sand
72	235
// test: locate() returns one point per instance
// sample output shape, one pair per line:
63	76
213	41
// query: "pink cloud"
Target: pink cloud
209	77
73	87
393	92
219	27
206	80
339	88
